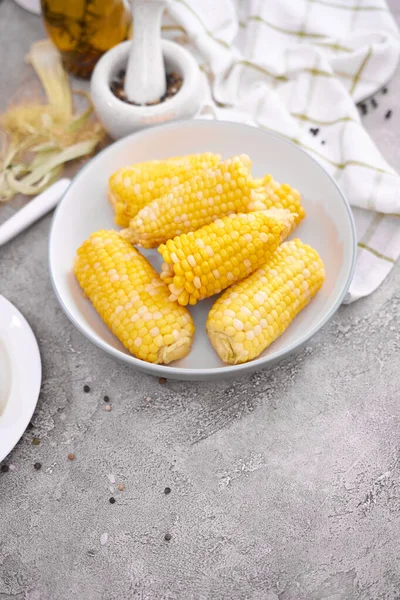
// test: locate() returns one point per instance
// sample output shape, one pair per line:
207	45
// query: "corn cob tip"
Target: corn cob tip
223	346
267	193
283	216
175	351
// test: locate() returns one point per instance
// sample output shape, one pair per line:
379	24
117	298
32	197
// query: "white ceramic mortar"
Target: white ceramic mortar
146	60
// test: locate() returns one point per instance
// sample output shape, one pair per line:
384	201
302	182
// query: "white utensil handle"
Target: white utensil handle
31	212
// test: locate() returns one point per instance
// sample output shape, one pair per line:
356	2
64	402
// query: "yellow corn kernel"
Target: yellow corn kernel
195	203
132	300
260	307
271	194
132	188
224	240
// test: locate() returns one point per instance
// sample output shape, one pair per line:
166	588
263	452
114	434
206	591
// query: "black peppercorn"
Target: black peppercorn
112	500
86	389
4	468
37	466
167	537
167	490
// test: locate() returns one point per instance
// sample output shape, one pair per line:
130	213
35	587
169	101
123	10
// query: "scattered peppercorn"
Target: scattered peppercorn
36	441
30	426
163	380
384	90
37	466
112	500
167	537
314	130
5	468
364	109
106	399
388	114
121	487
108	407
86	389
374	103
167	490
71	456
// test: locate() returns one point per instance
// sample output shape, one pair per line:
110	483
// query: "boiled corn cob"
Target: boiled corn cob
132	188
221	190
202	263
250	315
132	300
275	195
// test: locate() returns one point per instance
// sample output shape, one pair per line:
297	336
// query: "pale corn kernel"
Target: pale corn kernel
238	324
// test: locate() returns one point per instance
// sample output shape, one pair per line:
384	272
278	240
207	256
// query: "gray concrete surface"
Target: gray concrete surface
284	485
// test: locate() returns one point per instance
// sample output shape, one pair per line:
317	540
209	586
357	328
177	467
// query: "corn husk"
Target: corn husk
38	138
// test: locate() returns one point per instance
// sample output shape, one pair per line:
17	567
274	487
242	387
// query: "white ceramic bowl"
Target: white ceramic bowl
328	227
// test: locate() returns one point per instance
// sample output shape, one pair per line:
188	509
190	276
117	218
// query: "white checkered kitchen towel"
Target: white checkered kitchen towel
292	65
